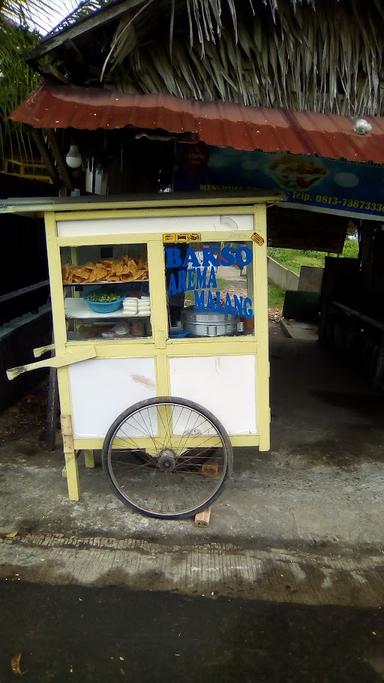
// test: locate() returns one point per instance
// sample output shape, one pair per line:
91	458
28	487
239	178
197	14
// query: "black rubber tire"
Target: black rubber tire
114	428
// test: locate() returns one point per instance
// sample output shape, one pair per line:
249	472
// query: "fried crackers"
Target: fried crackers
124	269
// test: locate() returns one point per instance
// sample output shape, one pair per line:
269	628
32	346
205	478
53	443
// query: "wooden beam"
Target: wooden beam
89	458
42	148
61	165
59	361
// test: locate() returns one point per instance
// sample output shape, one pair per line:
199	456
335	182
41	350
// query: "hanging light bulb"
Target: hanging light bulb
73	158
362	127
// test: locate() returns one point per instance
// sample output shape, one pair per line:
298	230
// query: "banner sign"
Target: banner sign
311	181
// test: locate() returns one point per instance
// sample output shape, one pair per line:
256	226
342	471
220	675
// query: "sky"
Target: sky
52	14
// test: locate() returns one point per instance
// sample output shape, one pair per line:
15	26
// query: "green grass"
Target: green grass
293	259
275	296
351	248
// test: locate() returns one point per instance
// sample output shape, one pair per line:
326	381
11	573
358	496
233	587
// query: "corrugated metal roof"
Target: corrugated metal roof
215	123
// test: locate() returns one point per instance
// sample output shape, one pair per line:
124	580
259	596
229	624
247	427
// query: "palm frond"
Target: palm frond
16	81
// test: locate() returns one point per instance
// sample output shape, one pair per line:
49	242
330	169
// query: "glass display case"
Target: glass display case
209	289
106	292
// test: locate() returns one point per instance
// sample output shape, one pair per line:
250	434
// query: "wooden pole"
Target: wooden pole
58	157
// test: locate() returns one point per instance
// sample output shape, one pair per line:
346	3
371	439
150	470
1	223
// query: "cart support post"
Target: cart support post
71	466
89	458
156	267
260	287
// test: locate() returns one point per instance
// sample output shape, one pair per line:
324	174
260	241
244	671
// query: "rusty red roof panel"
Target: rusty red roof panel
216	123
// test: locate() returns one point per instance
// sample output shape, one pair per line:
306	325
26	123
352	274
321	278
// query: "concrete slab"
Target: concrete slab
274	575
299	330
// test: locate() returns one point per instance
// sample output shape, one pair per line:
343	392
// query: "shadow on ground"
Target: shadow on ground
97	635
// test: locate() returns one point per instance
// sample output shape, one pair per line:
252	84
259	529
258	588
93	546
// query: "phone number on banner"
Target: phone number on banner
339	201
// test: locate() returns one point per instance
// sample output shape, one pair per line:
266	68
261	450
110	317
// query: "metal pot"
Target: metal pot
208	323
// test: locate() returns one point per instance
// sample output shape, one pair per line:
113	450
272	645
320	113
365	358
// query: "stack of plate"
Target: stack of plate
130	305
144	306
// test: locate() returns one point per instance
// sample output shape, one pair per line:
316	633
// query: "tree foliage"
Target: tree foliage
21	24
16	81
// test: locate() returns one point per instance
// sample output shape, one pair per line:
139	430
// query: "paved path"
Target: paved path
71	633
278	575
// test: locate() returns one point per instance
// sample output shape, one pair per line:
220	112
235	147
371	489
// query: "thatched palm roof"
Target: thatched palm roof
319	55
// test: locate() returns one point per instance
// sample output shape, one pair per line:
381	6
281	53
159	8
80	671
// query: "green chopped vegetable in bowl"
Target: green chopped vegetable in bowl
103	301
103	297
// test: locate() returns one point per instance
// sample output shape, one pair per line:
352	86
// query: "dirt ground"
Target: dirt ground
26	419
321	482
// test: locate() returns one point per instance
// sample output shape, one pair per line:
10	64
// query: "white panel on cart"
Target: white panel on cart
126	226
226	385
101	389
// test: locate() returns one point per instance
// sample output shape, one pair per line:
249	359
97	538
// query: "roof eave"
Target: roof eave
38	206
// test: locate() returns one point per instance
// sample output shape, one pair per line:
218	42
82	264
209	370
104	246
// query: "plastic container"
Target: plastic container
104	307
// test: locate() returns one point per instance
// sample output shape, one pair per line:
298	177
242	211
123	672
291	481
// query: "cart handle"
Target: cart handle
41	350
54	362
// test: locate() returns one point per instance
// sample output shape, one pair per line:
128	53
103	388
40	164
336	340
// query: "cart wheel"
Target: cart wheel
177	440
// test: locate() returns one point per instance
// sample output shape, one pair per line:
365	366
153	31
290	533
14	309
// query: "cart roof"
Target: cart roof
37	206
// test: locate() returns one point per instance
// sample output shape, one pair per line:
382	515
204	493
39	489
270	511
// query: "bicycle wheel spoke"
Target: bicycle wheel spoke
193	429
144	432
182	436
167	427
157	455
201	443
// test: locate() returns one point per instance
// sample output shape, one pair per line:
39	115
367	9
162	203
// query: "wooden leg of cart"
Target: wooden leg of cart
72	476
71	467
89	458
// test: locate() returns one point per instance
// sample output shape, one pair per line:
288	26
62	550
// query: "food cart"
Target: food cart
160	339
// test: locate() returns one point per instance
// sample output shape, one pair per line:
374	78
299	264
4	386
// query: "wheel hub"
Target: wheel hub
167	460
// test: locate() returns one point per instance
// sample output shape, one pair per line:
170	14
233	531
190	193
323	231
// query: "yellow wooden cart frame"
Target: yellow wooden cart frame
158	346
